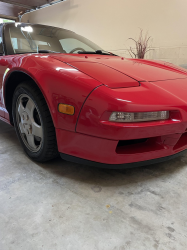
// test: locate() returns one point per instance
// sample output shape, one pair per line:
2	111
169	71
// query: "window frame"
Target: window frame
2	37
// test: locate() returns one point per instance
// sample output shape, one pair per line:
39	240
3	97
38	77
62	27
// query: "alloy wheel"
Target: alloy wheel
29	123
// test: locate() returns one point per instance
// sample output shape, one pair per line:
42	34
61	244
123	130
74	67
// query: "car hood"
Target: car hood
115	71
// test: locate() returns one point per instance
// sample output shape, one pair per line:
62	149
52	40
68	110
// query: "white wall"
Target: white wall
110	23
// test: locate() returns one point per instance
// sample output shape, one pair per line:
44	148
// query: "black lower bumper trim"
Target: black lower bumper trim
119	166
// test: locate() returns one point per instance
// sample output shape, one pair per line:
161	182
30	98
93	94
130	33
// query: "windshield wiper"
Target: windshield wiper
46	51
99	52
39	51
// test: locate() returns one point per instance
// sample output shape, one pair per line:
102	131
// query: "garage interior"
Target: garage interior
63	205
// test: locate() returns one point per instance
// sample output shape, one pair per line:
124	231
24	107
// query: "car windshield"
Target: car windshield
23	38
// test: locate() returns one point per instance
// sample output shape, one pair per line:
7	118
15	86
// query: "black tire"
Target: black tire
48	146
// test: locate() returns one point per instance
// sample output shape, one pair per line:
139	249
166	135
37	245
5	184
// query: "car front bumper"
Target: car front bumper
103	152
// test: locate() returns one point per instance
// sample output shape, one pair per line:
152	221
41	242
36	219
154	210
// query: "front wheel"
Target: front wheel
33	123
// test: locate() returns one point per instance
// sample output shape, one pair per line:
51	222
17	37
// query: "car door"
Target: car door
1	72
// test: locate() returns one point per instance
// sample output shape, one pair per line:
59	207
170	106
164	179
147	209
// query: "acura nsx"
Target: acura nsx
65	95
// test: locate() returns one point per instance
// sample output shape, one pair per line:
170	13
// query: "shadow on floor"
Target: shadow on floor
98	176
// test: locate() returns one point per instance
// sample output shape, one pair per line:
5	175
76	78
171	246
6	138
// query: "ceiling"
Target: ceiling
12	8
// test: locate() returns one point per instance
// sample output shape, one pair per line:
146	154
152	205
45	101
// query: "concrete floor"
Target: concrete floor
65	206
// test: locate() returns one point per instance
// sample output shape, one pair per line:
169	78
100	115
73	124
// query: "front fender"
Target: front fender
59	83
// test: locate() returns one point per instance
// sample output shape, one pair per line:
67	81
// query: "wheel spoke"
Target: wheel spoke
30	140
37	130
30	106
21	128
29	123
20	109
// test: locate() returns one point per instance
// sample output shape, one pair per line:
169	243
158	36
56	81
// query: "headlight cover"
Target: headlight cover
138	116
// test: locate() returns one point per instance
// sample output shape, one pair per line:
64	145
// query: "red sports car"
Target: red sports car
63	93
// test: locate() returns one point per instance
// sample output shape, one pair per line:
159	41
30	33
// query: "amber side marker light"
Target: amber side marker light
66	109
